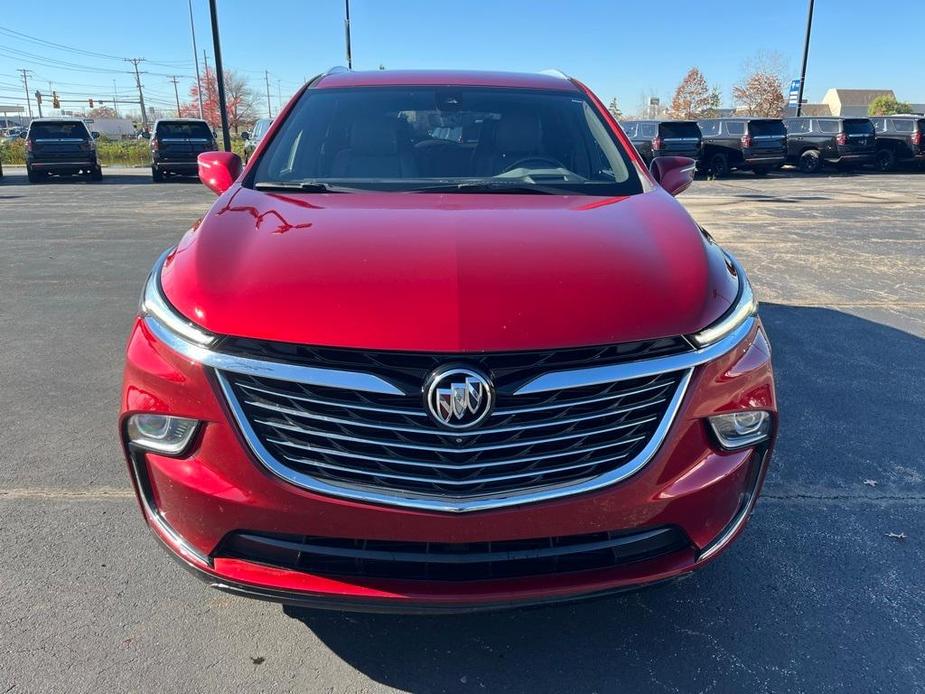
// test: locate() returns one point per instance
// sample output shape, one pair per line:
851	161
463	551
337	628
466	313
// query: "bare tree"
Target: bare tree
761	91
693	97
241	100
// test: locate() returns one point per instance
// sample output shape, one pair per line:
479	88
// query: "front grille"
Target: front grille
388	444
439	561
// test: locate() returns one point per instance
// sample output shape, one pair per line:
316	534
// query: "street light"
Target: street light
219	76
809	29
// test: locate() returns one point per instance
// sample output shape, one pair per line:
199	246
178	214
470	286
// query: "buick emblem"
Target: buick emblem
458	398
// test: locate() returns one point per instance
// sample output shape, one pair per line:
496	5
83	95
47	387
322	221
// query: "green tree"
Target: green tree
886	105
614	109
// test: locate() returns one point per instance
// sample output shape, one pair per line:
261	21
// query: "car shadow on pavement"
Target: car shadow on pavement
806	599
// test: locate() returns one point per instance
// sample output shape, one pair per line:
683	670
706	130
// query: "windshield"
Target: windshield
447	139
195	130
60	130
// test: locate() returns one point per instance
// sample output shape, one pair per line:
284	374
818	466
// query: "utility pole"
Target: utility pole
279	95
192	29
266	75
38	101
141	96
115	102
809	29
219	75
175	93
25	82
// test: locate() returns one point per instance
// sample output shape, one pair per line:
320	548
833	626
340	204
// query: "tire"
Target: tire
719	165
885	160
33	176
157	176
810	162
761	171
96	173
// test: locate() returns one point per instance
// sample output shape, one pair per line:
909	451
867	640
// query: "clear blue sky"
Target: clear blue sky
620	49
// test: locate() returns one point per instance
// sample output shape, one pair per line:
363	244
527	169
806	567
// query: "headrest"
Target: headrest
374	137
519	132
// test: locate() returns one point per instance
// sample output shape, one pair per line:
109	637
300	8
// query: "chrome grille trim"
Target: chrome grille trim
448	503
454	483
330	378
448	466
449	449
597	375
455	434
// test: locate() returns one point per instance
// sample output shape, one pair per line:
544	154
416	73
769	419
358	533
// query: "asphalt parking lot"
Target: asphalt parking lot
824	592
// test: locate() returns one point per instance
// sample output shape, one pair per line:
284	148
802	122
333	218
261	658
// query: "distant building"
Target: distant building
852	103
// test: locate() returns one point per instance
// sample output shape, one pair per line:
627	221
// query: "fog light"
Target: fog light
161	432
740	429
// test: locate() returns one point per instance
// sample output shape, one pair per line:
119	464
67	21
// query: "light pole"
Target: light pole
809	29
192	29
347	32
219	75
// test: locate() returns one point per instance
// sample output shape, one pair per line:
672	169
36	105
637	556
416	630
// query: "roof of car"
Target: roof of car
381	78
57	119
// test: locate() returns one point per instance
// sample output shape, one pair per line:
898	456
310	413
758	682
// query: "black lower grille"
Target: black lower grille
436	561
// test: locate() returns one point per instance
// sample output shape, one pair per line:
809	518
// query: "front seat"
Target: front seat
516	136
374	150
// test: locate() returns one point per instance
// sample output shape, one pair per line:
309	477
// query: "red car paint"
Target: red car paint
460	274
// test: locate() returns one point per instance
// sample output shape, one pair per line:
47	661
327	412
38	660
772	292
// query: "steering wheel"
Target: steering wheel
556	164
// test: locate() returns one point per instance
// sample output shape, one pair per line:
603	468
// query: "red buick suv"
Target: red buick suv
446	344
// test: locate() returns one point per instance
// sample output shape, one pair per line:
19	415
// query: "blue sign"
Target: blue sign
794	93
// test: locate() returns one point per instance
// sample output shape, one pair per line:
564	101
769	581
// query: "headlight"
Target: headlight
160	432
155	305
745	306
741	429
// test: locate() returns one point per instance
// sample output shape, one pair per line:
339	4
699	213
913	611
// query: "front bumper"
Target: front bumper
194	503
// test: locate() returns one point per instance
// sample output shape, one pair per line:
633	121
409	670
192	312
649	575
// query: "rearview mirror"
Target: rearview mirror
674	174
218	170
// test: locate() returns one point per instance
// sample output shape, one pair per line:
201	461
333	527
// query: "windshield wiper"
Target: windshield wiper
493	187
303	187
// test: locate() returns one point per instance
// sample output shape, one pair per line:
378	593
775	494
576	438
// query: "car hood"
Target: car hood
448	272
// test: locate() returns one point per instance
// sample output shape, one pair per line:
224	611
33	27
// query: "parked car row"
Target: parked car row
64	146
720	145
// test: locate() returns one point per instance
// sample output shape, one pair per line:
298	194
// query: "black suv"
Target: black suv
759	144
663	138
812	142
176	144
60	146
900	139
252	139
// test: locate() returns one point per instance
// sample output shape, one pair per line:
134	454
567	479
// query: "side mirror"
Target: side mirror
218	170
674	174
245	136
22	134
95	135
